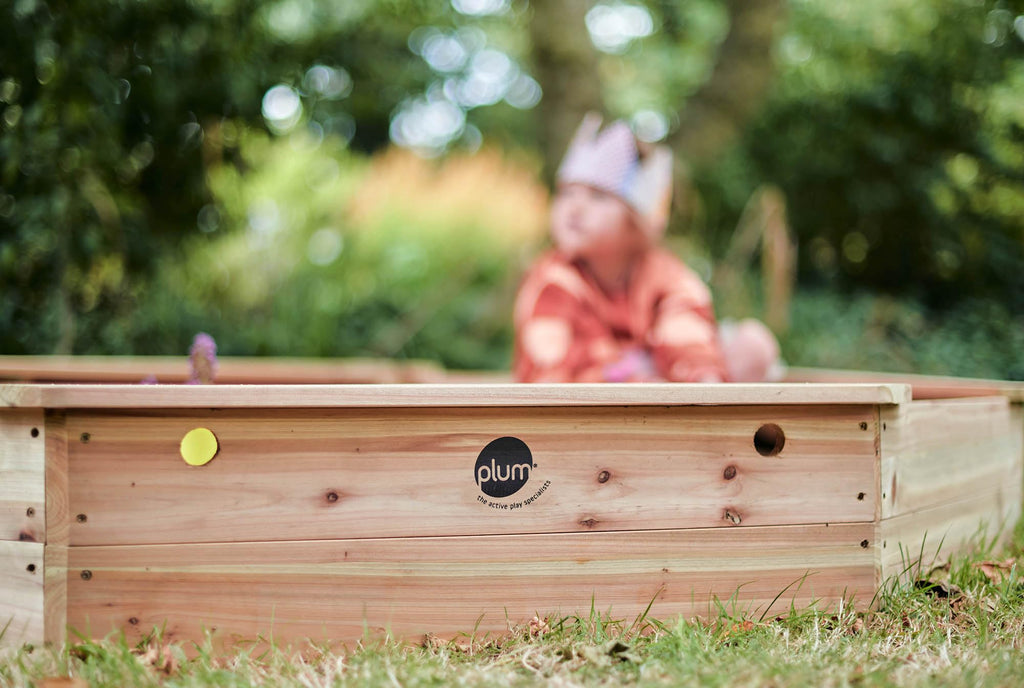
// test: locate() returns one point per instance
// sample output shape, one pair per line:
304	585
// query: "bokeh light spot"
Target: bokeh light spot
650	125
324	246
282	108
481	8
614	26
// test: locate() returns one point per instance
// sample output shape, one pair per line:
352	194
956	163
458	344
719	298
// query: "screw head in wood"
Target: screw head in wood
87	574
85	437
603	476
30	512
81	518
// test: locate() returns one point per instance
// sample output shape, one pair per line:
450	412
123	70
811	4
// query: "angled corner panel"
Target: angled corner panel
951	476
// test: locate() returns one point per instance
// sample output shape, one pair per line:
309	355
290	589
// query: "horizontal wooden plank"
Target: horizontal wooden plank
230	370
22	468
298	475
915	542
923	386
934	452
21	593
446	586
442	395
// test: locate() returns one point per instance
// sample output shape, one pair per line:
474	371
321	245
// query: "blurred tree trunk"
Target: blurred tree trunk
738	84
565	64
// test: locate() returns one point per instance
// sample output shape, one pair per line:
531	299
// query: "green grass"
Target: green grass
957	628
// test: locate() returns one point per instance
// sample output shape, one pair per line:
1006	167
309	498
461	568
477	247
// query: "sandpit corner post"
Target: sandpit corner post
951	473
58	526
22	525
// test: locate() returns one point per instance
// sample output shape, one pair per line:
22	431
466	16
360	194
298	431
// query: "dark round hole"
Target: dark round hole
34	432
81	518
769	439
31	568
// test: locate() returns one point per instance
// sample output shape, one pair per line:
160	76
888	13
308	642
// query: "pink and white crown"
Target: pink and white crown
610	160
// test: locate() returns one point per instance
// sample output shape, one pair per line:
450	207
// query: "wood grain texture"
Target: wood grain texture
923	386
444	395
411	586
230	370
22	447
914	542
304	475
21	593
58	531
936	452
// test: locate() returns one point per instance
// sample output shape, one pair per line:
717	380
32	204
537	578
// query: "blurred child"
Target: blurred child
607	304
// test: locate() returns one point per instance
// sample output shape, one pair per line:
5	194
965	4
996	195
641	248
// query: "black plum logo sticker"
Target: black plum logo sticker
503	467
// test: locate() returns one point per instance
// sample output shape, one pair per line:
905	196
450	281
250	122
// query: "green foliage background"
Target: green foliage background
138	180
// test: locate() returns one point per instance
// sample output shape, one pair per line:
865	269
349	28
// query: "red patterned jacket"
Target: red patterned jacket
567	329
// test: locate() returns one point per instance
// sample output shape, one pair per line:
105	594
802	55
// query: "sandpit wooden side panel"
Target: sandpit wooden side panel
21	593
412	586
22	503
951	476
22	525
288	474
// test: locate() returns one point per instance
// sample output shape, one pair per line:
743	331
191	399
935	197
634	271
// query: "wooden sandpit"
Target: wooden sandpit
331	510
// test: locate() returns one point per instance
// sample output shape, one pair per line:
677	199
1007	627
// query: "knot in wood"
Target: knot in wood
732	517
603	476
588	522
729	473
332	497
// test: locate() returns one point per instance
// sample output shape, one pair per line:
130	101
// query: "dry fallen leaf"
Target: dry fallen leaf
539	626
61	682
857	626
997	571
160	658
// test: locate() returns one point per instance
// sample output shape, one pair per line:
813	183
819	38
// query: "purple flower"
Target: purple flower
203	360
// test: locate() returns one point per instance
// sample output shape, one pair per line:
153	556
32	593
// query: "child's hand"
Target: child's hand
635	365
